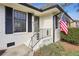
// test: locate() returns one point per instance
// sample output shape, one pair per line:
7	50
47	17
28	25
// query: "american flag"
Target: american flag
63	25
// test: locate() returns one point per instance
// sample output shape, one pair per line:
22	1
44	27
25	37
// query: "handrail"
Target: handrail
36	37
32	38
34	34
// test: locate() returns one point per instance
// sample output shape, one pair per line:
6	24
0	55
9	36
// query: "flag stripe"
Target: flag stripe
63	26
64	23
64	29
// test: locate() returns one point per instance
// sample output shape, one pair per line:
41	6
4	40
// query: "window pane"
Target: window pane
19	21
15	14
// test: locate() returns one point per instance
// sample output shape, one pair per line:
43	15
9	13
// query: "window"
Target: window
56	21
19	21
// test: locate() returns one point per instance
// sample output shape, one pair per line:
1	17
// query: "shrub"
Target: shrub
55	49
72	37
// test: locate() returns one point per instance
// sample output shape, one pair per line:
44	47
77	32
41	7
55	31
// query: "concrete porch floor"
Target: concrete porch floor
21	50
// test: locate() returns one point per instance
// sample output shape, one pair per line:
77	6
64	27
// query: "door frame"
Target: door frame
53	29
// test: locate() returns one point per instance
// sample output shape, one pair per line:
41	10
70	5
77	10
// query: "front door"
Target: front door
56	28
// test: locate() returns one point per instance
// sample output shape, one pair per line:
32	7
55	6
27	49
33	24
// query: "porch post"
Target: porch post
53	29
32	23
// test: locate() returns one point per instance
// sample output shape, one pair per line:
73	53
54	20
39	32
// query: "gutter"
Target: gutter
40	10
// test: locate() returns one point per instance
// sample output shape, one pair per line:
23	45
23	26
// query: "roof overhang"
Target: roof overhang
56	9
51	10
32	10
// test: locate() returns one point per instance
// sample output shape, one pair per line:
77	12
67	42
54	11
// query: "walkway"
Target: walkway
21	50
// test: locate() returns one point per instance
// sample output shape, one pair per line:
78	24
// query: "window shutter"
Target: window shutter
29	22
8	20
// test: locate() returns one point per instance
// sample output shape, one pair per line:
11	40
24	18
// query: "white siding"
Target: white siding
45	22
57	32
24	37
2	25
57	35
18	38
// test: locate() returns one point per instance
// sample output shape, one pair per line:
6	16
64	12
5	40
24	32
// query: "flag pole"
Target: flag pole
61	17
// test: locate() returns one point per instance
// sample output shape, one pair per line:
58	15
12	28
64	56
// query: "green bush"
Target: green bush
72	37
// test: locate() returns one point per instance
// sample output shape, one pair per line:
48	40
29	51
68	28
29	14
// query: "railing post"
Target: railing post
36	38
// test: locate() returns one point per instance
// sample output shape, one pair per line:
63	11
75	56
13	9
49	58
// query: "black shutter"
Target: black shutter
29	22
8	20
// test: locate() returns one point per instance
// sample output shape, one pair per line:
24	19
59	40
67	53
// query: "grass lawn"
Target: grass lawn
74	53
55	49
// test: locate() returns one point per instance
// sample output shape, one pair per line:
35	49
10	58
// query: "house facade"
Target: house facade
75	24
21	23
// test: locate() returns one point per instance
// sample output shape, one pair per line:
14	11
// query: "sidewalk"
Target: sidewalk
2	51
21	50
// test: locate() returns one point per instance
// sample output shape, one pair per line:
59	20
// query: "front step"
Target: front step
21	50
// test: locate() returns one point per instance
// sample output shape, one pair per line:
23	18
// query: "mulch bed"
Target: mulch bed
2	51
69	47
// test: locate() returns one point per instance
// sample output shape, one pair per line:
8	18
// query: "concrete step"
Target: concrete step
21	50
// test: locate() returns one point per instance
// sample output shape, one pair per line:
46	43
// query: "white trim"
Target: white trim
26	22
26	14
13	20
32	23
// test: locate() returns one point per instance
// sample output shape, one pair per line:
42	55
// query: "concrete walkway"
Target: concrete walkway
2	51
21	50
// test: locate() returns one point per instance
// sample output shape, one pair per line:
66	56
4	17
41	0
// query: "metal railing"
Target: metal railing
43	33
